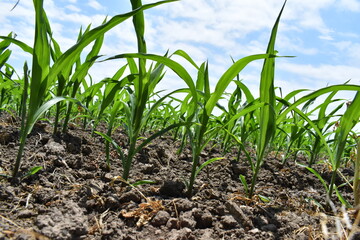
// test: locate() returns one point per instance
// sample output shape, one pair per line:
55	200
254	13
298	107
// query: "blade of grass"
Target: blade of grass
267	96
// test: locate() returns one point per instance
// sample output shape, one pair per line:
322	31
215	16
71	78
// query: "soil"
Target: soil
75	196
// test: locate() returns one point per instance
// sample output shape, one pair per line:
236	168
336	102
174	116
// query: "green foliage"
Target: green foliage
44	75
129	100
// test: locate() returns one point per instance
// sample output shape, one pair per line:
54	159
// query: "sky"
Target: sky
324	35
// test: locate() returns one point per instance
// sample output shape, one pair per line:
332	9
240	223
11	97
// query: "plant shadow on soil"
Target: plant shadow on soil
74	196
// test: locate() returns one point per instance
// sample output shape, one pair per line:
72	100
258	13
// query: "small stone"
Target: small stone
86	151
172	188
108	177
254	231
27	213
172	223
203	218
54	148
130	196
161	218
228	222
269	228
182	234
207	235
184	204
147	168
238	213
186	221
112	202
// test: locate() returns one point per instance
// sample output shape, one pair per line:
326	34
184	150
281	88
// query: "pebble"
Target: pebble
187	221
184	205
269	228
130	196
228	222
27	213
203	219
254	231
239	215
161	218
172	223
54	148
182	234
172	188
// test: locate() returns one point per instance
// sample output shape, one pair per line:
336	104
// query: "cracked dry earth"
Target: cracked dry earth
74	196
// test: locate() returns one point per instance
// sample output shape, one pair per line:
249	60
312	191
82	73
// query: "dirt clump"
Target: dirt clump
74	196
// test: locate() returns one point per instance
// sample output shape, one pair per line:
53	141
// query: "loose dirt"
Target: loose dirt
75	196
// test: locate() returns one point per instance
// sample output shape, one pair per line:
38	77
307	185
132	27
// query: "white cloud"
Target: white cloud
294	45
348	51
321	75
95	5
73	8
210	29
351	5
326	37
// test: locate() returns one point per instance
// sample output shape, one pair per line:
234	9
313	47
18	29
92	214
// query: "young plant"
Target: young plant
141	85
207	100
44	75
346	123
356	184
267	115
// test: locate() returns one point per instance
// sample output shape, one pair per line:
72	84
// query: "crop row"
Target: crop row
58	85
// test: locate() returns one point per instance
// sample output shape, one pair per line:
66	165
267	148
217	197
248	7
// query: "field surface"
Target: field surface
74	196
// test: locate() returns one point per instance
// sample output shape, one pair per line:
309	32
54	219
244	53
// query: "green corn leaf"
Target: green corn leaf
142	182
244	183
247	92
4	57
32	171
5	43
176	67
317	175
227	77
315	94
41	59
22	45
267	93
112	89
264	198
187	57
69	57
342	199
115	145
46	106
160	133
347	122
207	163
132	65
55	49
157	104
267	96
292	94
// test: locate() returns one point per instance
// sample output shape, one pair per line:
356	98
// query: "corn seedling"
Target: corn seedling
267	113
348	121
43	75
287	125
